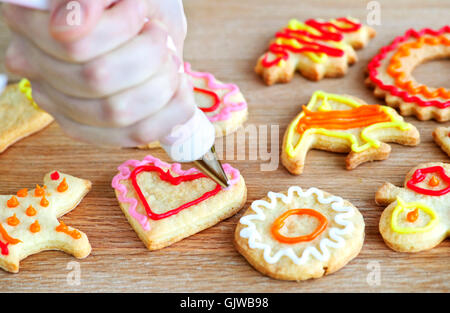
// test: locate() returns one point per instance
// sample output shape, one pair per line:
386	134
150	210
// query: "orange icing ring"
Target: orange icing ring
395	65
279	223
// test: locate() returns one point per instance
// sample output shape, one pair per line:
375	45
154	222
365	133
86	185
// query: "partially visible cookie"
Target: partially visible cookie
223	104
19	114
417	216
165	204
315	48
29	220
298	235
390	74
343	124
441	136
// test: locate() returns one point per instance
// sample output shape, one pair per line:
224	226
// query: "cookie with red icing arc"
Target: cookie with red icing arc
390	74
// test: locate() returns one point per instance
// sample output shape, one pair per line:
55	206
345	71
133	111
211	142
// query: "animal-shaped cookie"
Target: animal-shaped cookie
29	220
223	104
344	124
298	235
390	74
165	204
441	136
315	48
418	216
19	114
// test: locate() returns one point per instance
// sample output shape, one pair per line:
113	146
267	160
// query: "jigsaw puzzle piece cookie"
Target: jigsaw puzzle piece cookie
223	104
441	136
344	124
29	220
417	216
19	114
298	235
315	48
165	204
390	74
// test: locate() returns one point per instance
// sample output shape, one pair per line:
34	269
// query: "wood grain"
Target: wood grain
225	38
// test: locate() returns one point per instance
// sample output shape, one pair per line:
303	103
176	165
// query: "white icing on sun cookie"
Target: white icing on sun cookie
335	239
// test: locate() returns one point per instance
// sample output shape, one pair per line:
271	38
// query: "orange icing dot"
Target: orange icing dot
35	227
39	191
62	186
362	116
75	234
412	216
30	211
395	65
13	220
7	237
433	182
44	202
22	193
12	203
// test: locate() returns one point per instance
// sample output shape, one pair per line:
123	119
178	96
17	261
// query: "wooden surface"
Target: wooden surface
225	38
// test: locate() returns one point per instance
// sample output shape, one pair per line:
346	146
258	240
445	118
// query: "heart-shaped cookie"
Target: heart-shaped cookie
165	204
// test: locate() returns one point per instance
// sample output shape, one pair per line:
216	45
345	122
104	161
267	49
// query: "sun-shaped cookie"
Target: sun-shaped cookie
223	104
315	48
441	136
298	235
390	73
344	124
165	204
19	114
418	215
29	220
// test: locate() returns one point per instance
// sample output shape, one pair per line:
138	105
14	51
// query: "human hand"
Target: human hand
112	79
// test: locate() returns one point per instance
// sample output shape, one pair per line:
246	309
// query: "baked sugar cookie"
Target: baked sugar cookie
417	217
19	114
298	235
344	124
29	220
441	136
315	48
223	104
390	74
165	204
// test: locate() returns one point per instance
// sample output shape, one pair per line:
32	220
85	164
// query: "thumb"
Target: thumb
70	20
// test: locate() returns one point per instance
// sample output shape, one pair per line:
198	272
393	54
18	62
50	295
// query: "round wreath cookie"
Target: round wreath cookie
316	48
441	136
417	217
298	235
390	73
223	104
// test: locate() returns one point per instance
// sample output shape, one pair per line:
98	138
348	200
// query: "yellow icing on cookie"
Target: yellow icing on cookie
25	88
401	206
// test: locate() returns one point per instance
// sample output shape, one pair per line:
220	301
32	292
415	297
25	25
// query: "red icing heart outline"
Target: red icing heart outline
211	94
421	173
167	176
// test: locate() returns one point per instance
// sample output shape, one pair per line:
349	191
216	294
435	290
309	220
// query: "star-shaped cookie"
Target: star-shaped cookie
418	215
29	220
19	114
344	124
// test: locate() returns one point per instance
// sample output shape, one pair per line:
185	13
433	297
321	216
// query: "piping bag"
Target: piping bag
191	142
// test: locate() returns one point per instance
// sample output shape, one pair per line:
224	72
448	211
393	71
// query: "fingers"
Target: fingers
97	78
122	109
178	111
115	26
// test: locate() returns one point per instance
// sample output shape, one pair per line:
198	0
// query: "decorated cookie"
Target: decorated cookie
417	217
315	48
223	104
165	204
390	73
19	114
344	124
298	235
29	220
441	136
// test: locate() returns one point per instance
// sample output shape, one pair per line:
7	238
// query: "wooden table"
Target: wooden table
225	38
